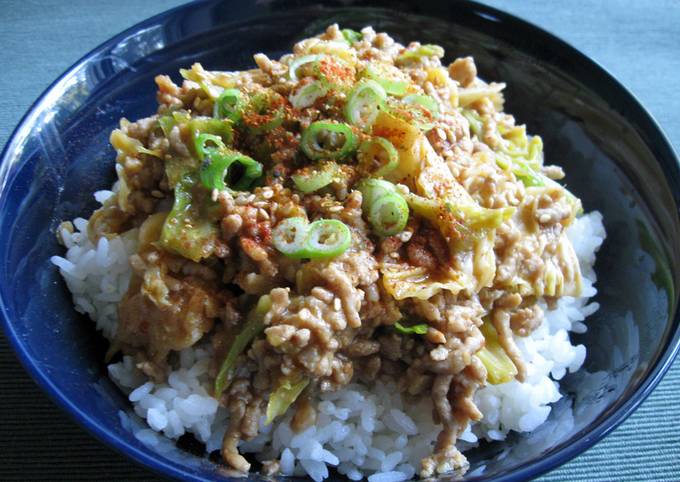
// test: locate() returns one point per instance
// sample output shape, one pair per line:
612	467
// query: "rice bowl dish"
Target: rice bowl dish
422	332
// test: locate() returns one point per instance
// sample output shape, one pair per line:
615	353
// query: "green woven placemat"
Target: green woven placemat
639	42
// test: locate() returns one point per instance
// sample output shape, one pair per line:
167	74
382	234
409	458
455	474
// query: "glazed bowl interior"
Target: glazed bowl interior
616	161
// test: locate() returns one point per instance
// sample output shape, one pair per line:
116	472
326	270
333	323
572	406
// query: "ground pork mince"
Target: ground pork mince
356	212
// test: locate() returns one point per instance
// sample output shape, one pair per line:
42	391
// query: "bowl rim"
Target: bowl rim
592	435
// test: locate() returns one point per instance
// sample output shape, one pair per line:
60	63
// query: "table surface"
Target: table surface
639	42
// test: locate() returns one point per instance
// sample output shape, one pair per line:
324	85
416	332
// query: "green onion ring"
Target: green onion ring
290	236
207	134
299	62
202	147
327	238
397	88
388	214
229	105
310	180
275	122
364	103
311	146
372	189
306	95
219	165
260	105
369	151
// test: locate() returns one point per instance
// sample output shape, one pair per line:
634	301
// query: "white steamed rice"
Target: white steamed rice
363	431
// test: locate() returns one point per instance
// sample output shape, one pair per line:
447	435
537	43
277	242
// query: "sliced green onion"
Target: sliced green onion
327	238
276	121
283	397
254	326
324	238
386	209
427	50
419	329
306	95
264	112
312	179
318	135
372	189
239	170
210	135
207	144
388	214
371	151
364	103
423	100
397	88
229	105
290	235
299	62
252	172
351	36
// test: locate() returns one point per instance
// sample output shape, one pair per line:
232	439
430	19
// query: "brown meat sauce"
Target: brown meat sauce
331	321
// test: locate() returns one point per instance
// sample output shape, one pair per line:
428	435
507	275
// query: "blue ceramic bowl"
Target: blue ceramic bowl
616	159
